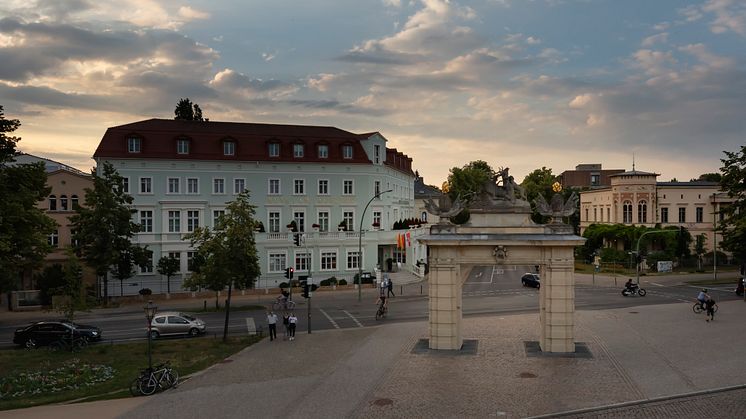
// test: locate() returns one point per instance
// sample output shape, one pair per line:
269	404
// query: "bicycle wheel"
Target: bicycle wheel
135	387
697	308
290	305
148	385
715	308
171	378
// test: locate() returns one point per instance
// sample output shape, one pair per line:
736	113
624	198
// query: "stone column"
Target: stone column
445	303
557	300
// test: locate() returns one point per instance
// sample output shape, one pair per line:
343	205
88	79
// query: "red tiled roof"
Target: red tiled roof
159	138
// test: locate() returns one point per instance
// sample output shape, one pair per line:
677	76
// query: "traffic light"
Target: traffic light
306	289
289	273
297	238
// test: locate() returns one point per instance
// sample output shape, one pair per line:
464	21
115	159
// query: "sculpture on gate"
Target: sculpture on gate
500	191
445	209
557	208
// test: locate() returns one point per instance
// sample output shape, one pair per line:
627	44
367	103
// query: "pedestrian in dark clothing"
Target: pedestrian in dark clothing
286	323
272	323
710	306
390	287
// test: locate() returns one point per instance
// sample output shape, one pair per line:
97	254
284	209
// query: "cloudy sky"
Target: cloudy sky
519	83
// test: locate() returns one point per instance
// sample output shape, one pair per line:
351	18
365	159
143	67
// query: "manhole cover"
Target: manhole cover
527	375
383	402
226	361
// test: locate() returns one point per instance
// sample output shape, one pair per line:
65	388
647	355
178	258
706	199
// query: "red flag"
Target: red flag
409	240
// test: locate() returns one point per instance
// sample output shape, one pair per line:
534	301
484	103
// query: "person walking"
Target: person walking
710	306
292	321
390	287
286	323
272	323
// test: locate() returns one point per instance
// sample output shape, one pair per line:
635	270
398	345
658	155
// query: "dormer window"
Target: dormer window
182	146
274	150
134	145
377	154
298	151
347	151
323	151
229	148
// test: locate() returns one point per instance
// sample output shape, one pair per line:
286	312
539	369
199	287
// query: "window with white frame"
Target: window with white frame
346	151
174	221
377	154
353	259
664	215
277	262
134	145
299	187
300	220
192	220
146	185
182	146
682	215
377	218
173	185
302	261
423	216
377	188
348	187
239	185
53	239
323	187
218	186
323	151
63	203
192	185
595	214
147	268
125	184
274	149
146	221
323	221
328	260
274	187
298	150
190	261
177	257
642	212
216	214
52	202
700	214
274	221
74	202
627	212
229	148
349	219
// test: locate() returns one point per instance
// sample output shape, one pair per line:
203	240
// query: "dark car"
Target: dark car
45	332
740	286
531	280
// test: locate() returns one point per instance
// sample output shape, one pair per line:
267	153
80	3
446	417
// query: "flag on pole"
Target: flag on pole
409	240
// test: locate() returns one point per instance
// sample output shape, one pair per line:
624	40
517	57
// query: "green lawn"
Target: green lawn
118	364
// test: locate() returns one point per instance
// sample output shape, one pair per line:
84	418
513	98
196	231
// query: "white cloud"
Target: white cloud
322	81
660	38
187	13
269	56
392	3
707	58
730	15
580	101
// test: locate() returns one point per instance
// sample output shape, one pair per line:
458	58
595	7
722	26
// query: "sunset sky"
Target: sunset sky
518	83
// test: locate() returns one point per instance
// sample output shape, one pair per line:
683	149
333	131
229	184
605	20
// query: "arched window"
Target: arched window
52	203
642	212
627	212
74	201
423	217
63	202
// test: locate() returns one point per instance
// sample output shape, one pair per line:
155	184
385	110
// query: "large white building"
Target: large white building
182	174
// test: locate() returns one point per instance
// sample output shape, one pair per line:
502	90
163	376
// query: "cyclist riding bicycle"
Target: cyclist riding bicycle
382	295
702	297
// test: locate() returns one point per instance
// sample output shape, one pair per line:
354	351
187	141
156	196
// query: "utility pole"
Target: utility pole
714	238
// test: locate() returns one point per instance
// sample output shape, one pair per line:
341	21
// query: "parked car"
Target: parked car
170	323
45	332
740	286
531	280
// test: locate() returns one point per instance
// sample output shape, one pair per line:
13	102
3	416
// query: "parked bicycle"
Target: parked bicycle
381	312
149	381
281	305
699	307
69	344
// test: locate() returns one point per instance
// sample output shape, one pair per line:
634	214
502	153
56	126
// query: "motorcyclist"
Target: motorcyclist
630	286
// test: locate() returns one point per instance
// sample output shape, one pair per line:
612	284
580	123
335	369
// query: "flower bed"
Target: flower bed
71	376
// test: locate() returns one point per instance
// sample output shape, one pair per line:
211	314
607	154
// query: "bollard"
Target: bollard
420	289
401	289
205	308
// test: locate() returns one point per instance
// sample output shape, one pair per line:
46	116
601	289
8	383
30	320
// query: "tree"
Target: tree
24	228
466	182
710	177
227	256
128	259
48	280
188	111
699	249
168	266
104	227
733	226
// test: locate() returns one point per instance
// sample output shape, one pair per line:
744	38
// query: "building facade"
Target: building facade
636	198
588	176
182	174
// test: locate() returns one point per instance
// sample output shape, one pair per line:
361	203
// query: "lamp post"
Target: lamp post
637	249
150	311
360	247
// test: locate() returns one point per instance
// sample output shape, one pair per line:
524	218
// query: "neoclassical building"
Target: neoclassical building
635	197
182	174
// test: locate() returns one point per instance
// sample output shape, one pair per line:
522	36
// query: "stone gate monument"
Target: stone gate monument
501	232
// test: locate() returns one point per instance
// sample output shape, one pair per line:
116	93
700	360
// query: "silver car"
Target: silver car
174	323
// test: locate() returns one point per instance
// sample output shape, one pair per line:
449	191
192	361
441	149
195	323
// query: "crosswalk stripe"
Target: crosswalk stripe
353	318
336	326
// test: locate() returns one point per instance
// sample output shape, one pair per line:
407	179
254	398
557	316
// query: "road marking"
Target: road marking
657	284
336	326
353	318
250	325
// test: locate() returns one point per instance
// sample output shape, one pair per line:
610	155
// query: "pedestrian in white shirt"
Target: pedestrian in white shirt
292	322
272	322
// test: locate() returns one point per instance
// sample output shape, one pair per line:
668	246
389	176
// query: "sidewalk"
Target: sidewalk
638	353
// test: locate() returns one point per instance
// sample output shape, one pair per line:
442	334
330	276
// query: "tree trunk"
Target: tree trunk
106	289
121	287
168	284
227	312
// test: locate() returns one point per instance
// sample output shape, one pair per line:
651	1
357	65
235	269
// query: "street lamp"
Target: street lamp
360	247
150	310
637	249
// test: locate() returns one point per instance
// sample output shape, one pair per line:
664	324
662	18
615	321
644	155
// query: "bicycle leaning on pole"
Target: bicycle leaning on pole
151	380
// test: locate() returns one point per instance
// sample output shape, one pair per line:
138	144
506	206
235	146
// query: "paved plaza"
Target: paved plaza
640	358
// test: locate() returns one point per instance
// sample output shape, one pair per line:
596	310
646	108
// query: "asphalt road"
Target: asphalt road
487	290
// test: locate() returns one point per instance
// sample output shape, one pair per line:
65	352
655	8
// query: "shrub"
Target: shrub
145	291
324	283
283	284
332	280
343	282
